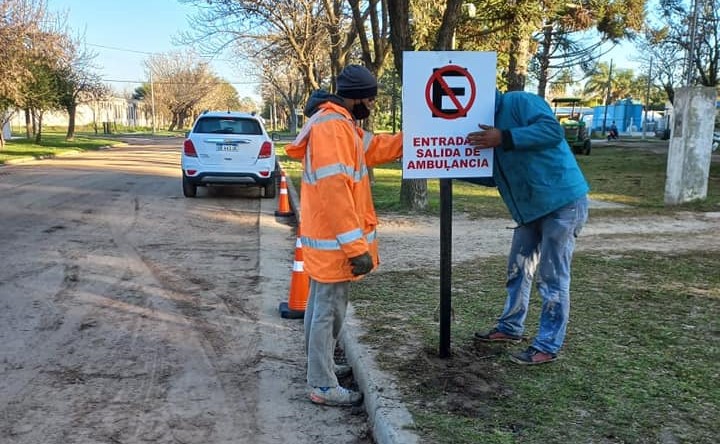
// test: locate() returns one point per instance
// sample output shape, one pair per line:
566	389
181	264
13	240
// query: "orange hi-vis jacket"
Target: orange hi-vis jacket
338	217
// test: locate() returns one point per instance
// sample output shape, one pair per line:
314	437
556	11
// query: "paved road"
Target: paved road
129	314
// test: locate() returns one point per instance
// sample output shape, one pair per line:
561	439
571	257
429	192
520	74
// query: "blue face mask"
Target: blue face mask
360	111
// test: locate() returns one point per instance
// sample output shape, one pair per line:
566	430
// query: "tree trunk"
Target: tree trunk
413	194
182	117
544	61
71	110
518	61
38	133
28	124
399	12
95	113
446	34
173	122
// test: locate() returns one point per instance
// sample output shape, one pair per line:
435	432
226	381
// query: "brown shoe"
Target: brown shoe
496	335
532	356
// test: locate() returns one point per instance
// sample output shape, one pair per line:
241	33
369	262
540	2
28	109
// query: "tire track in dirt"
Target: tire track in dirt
204	343
146	313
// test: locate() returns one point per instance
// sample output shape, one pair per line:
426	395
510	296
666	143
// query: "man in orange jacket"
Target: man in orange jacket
338	223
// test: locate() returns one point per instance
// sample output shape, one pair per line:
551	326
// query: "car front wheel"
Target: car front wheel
189	189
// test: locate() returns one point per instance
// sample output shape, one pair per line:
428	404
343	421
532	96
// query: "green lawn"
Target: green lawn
52	144
622	175
640	363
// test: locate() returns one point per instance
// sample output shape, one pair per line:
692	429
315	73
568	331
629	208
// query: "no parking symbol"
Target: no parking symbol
446	95
437	88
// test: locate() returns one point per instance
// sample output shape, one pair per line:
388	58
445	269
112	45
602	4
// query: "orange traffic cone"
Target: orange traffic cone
283	202
299	287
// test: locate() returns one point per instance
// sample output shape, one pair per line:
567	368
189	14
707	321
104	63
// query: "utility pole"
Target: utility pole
273	113
647	98
692	34
152	100
607	98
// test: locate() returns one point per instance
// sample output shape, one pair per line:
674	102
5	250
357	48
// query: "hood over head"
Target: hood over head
319	97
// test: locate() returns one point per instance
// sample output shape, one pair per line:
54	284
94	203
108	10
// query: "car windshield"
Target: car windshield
228	125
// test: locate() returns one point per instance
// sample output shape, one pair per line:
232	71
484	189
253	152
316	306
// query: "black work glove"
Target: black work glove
361	264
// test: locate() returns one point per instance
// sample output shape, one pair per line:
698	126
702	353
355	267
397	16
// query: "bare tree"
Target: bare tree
413	192
666	58
180	82
686	41
25	37
257	27
223	96
342	34
282	82
77	80
41	94
94	97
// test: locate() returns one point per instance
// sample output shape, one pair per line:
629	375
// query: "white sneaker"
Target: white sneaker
335	396
342	370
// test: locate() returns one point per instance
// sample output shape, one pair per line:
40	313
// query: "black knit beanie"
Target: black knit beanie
356	82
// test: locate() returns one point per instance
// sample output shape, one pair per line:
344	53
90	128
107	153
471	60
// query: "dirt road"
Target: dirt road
129	314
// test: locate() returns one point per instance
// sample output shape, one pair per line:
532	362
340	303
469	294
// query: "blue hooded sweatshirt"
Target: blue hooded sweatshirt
535	171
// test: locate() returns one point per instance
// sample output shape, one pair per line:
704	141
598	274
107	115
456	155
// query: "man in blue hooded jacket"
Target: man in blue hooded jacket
546	193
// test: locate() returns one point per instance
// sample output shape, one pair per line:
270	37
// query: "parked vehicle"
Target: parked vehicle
229	148
576	133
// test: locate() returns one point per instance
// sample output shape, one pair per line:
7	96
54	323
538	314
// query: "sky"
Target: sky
125	33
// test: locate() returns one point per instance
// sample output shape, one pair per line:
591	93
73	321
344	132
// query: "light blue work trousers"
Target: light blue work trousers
324	319
545	245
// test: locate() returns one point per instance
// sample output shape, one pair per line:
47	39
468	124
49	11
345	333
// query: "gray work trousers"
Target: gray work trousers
324	317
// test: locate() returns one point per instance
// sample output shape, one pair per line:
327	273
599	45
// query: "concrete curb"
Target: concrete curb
19	160
25	159
390	420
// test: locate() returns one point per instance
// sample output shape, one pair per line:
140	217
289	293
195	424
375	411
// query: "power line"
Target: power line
115	48
118	49
179	83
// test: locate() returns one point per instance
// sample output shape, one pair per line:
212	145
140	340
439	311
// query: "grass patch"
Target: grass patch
632	176
640	360
52	144
639	364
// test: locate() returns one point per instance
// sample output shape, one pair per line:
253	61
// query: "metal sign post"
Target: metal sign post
446	94
445	266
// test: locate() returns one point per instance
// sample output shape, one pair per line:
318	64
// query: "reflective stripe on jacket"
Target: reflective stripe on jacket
338	217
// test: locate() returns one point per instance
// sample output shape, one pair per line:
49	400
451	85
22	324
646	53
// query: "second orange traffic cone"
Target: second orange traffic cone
284	201
295	307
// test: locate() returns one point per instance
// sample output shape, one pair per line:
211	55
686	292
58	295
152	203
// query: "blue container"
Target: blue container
623	112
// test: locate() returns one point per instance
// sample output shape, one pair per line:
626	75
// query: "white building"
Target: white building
6	131
116	110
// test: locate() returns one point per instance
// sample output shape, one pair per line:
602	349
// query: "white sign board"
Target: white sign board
446	95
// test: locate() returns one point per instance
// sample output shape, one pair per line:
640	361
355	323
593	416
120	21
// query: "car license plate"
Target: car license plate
227	147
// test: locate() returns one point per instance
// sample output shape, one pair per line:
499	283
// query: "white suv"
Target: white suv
228	148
